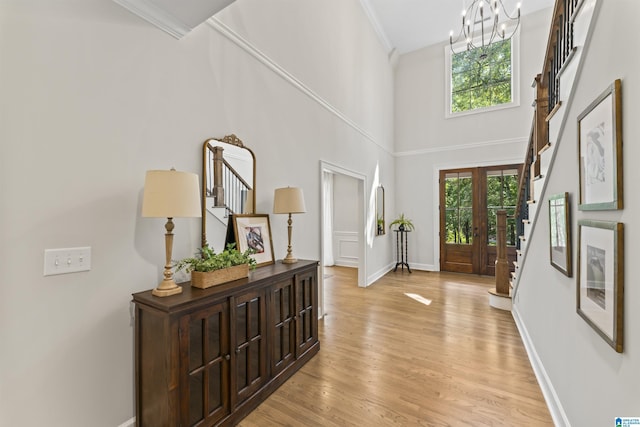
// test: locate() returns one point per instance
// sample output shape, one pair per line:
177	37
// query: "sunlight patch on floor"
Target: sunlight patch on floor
419	298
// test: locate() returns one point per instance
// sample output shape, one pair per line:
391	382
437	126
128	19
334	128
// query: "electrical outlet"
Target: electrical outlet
67	260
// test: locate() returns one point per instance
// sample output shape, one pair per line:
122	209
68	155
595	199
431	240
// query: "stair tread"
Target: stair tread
499	294
545	148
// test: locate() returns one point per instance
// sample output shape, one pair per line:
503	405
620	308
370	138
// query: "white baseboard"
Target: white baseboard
129	423
421	267
345	262
550	396
378	274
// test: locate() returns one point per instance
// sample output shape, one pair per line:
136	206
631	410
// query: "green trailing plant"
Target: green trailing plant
208	260
402	223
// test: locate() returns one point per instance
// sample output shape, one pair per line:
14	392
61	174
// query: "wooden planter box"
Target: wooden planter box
212	278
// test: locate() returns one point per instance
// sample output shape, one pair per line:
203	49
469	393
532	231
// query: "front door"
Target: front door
469	201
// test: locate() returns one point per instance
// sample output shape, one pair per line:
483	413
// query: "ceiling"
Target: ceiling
406	25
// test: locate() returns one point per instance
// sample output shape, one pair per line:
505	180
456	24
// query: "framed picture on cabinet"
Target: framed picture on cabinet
560	233
600	284
253	231
600	151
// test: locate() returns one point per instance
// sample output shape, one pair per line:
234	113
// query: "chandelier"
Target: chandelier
481	26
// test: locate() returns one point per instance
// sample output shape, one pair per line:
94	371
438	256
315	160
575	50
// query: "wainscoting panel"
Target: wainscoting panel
346	248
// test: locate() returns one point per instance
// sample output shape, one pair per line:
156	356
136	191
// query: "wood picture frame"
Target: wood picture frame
560	233
600	284
253	231
600	151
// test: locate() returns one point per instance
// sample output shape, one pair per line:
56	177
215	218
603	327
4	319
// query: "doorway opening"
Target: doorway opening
469	201
347	210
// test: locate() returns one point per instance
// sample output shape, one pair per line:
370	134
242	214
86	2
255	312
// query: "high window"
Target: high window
482	79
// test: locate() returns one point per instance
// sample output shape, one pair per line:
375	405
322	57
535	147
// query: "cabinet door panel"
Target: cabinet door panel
282	326
205	347
306	293
249	327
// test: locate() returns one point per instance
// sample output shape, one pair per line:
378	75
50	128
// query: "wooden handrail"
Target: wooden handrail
559	50
526	170
237	175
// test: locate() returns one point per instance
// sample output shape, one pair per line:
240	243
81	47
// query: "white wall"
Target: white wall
345	220
427	142
92	97
593	383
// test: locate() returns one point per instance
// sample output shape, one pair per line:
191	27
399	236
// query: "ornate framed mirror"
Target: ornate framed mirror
380	222
228	186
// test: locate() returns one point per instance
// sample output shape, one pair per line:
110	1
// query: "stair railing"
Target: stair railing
227	187
560	49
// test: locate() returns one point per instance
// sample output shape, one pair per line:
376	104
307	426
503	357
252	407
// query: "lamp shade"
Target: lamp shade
171	194
288	200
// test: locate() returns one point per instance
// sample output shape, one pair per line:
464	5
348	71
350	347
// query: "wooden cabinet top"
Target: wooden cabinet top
194	296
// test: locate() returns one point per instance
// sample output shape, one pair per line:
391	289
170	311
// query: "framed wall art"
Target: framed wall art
600	151
560	233
253	231
600	284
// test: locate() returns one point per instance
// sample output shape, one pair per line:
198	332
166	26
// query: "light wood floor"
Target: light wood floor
388	360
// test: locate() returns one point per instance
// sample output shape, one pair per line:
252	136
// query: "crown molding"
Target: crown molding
244	44
156	16
377	27
481	144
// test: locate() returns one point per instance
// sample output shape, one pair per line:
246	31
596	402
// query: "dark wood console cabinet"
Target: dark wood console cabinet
208	357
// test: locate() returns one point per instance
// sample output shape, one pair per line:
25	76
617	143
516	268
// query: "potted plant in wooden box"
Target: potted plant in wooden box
211	269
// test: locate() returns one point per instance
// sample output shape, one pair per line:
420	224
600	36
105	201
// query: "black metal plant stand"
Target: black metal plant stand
401	249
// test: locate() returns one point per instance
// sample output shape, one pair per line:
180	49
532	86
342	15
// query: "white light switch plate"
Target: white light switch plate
67	260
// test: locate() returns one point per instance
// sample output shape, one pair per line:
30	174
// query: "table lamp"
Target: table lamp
288	200
170	194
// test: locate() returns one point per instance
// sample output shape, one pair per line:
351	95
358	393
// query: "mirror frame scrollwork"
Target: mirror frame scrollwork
209	144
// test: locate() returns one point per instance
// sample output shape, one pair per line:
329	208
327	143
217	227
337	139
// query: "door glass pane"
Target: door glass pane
214	336
241	368
502	194
196	398
241	327
286	333
458	208
254	313
195	344
254	354
215	386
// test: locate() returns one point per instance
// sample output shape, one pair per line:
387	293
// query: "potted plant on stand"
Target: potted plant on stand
402	223
210	269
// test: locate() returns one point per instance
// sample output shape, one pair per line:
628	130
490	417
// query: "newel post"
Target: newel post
502	263
218	188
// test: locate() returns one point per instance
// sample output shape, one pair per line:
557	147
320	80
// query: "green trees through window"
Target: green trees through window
459	208
502	194
481	77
